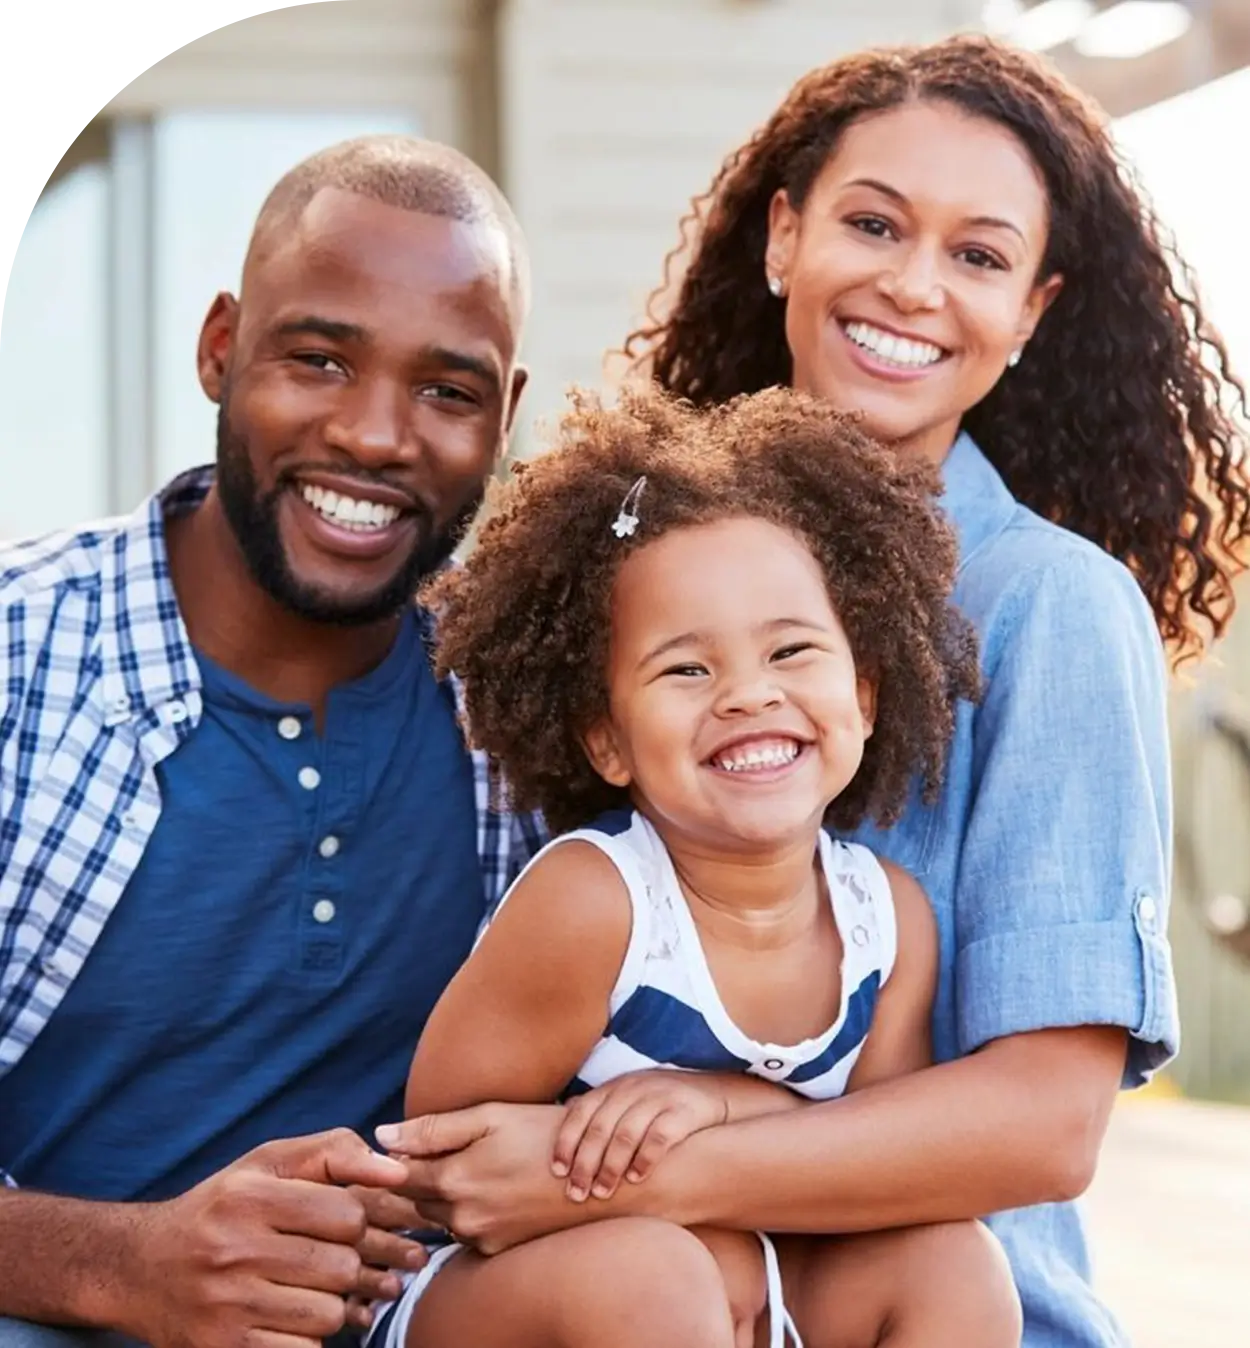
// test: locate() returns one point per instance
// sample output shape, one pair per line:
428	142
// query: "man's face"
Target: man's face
366	383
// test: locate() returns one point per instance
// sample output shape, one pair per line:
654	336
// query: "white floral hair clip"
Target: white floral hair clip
627	520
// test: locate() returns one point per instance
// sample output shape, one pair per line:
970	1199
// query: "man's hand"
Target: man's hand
382	1248
263	1253
484	1173
623	1129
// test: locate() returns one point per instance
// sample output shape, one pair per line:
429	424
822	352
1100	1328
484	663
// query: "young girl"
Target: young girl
693	640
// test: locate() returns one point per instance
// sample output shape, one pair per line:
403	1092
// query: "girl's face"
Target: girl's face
911	275
736	713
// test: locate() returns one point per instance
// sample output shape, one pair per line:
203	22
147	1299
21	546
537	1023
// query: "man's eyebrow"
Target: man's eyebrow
312	326
450	359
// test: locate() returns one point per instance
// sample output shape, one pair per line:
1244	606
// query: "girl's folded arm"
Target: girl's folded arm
524	1011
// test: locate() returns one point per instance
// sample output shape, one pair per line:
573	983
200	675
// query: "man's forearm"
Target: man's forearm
958	1141
64	1261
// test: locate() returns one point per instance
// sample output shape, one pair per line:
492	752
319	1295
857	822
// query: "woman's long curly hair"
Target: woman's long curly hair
526	621
1119	422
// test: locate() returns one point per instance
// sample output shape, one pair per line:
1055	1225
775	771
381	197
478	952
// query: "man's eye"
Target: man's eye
448	392
317	360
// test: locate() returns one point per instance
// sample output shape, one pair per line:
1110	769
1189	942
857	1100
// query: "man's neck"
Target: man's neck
238	625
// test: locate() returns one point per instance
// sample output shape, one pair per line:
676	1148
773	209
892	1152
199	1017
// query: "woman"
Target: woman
942	240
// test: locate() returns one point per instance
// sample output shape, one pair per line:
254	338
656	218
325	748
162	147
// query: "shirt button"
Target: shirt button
309	778
289	727
1148	909
130	819
323	911
328	846
177	713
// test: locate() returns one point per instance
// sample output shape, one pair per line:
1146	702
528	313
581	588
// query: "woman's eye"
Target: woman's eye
983	258
873	225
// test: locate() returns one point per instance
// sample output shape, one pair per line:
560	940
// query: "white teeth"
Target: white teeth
349	512
767	755
901	351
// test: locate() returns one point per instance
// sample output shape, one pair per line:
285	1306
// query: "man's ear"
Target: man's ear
212	356
604	754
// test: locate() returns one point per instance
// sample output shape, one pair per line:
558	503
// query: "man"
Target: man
242	844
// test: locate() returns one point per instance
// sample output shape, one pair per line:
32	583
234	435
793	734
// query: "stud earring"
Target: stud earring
1014	359
776	286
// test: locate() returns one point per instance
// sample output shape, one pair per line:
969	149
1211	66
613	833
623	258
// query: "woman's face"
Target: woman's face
911	275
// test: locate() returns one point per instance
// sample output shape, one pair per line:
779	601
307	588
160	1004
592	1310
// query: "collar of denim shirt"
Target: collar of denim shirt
974	497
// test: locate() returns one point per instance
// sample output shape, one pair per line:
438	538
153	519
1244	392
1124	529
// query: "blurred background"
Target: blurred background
600	118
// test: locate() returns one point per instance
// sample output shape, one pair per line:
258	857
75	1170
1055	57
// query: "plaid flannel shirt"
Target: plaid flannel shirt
100	685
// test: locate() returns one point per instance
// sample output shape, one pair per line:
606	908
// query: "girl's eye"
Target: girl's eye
686	671
787	652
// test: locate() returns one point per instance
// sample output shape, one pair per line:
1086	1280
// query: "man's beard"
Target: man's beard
253	519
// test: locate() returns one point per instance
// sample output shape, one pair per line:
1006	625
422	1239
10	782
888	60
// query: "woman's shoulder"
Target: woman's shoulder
1038	578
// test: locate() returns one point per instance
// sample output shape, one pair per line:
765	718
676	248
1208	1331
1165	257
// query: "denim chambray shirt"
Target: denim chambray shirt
1048	856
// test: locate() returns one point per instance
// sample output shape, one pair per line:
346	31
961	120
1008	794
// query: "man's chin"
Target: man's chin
341	606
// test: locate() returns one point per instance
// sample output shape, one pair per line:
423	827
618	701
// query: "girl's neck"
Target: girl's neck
758	901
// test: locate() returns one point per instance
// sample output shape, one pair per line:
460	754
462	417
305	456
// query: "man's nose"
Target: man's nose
373	423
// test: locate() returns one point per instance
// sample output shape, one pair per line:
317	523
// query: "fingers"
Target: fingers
386	1249
578	1115
334	1157
604	1157
387	1210
266	1338
359	1313
435	1134
663	1135
306	1208
297	1311
377	1284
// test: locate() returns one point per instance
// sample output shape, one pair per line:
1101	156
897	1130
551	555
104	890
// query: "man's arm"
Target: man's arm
267	1246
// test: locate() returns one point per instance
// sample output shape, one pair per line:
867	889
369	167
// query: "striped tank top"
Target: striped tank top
665	1010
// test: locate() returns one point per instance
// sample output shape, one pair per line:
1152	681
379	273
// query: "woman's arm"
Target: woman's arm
525	1009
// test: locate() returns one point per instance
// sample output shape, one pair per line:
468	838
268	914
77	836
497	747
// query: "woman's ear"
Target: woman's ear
602	750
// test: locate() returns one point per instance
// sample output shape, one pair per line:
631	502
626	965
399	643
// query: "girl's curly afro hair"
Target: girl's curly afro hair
526	623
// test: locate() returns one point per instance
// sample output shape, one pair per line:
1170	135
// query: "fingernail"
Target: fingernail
415	1258
577	1193
601	1190
559	1168
387	1134
633	1176
391	1288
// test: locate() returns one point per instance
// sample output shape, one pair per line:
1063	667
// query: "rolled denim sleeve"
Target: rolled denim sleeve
1061	895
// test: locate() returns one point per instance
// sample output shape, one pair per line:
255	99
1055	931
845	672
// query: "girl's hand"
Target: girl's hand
622	1129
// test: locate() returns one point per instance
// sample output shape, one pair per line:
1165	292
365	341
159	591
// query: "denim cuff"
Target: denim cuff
1112	972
